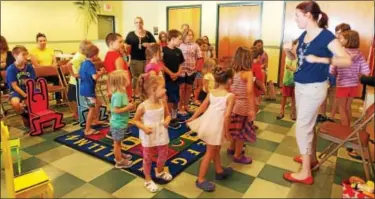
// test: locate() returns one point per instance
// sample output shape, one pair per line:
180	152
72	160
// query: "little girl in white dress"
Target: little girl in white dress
212	126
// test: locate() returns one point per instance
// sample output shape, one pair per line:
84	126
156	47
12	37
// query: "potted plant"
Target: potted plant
89	9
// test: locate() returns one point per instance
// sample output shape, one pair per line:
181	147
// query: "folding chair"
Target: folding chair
354	137
47	71
32	183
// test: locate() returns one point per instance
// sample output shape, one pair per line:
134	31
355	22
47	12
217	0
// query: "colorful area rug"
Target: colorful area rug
184	149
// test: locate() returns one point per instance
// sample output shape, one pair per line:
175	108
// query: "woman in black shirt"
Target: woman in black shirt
138	41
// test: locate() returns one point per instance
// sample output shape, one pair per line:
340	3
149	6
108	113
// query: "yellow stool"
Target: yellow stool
33	183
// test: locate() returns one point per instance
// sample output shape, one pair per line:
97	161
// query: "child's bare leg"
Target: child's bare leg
238	149
188	91
349	109
16	104
117	150
198	88
210	153
217	160
89	120
182	99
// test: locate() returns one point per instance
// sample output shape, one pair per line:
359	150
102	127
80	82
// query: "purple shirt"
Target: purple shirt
349	77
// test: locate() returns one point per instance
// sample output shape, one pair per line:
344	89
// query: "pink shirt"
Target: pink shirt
349	77
191	52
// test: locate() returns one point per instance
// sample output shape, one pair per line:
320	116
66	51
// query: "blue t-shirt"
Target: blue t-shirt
313	72
87	86
20	76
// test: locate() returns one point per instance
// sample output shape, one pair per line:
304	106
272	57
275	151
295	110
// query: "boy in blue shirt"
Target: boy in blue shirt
88	76
16	77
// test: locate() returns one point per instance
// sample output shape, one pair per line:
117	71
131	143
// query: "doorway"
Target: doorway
238	24
179	15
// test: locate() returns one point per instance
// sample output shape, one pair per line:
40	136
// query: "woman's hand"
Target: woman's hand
312	58
288	47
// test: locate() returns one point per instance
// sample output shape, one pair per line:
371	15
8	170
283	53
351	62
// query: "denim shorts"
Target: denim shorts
118	134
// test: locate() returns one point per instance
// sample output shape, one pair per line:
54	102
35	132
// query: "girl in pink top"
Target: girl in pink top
347	79
192	53
241	125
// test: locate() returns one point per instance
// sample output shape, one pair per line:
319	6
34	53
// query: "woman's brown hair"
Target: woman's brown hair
242	60
352	37
4	44
313	8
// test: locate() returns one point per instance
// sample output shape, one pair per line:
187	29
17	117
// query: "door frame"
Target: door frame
235	4
187	6
281	45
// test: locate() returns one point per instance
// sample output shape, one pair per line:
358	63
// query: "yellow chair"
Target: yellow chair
15	147
33	183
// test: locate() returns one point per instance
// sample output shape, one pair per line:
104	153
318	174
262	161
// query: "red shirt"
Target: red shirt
258	74
110	66
162	44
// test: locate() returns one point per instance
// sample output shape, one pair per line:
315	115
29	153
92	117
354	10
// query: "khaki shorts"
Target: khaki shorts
137	68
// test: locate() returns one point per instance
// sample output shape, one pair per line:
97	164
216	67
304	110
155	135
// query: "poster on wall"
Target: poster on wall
156	30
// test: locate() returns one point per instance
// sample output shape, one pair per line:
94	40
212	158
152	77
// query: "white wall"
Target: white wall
154	14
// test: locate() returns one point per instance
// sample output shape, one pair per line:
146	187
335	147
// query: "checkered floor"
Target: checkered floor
75	174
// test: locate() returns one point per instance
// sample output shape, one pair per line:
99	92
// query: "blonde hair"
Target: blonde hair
140	18
84	44
242	60
118	81
147	83
208	64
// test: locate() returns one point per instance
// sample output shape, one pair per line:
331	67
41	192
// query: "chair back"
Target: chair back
7	160
65	71
45	71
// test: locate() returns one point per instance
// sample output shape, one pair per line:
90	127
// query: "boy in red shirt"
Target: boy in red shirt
259	87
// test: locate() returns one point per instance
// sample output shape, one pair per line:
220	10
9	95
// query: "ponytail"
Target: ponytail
323	21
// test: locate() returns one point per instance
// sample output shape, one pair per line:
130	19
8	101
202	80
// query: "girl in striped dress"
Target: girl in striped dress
241	126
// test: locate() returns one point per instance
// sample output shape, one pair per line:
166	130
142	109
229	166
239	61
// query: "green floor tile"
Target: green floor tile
165	193
264	144
41	147
322	144
277	129
346	168
29	164
50	136
288	147
112	180
221	192
258	154
274	174
239	182
270	118
65	184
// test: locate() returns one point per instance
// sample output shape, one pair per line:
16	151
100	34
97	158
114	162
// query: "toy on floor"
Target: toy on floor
367	188
37	105
83	109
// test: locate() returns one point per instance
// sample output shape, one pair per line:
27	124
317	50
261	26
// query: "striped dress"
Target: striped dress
240	128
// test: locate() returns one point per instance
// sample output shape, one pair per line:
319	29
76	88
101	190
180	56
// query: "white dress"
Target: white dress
210	125
155	120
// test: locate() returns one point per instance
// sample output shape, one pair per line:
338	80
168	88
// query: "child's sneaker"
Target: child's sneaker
151	186
164	175
243	160
228	171
123	164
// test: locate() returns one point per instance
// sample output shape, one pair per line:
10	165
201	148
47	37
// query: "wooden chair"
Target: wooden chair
33	183
47	71
354	137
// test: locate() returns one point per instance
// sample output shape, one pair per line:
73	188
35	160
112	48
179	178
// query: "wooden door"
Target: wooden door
358	14
239	25
185	15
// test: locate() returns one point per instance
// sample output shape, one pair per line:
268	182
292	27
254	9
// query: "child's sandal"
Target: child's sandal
205	186
164	175
151	186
